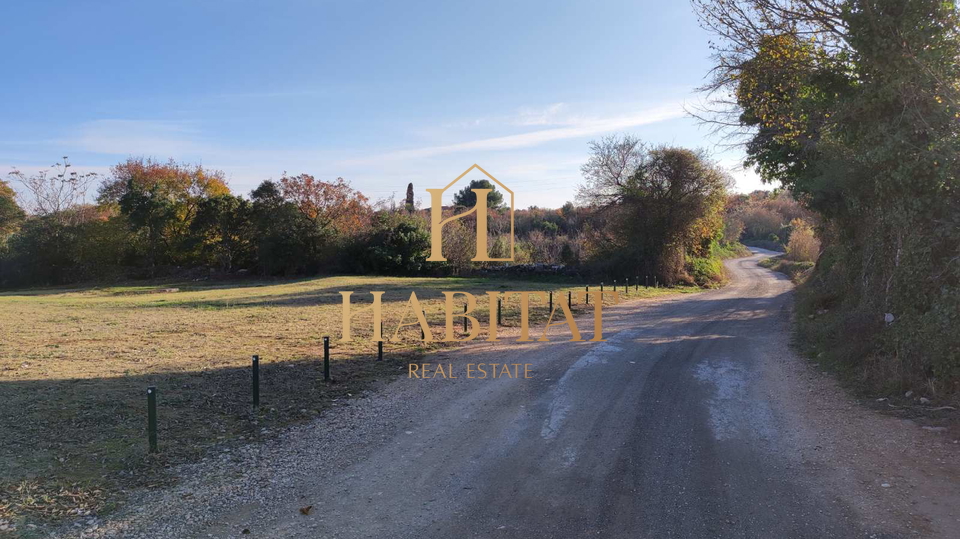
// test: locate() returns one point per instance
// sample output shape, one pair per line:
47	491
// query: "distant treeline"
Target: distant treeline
660	215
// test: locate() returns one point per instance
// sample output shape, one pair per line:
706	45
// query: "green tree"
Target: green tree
467	198
223	228
153	215
397	244
854	105
285	239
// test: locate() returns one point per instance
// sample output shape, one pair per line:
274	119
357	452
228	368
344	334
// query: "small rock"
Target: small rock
881	399
888	318
908	394
924	400
935	429
885	485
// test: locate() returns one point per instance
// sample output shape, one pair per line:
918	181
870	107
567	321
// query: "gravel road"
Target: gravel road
694	419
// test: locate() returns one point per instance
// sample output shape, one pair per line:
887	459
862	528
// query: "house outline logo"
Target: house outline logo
480	208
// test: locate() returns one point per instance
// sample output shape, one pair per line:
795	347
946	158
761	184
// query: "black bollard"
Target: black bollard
256	381
326	359
152	418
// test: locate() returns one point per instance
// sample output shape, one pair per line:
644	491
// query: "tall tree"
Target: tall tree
467	198
224	230
410	203
853	105
660	204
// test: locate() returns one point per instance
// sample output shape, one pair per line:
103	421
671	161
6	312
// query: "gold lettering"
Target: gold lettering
473	323
347	315
493	296
598	313
421	320
524	313
568	319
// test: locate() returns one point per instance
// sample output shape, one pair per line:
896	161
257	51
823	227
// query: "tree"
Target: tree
11	215
410	206
397	244
285	240
853	106
330	206
467	198
224	230
52	193
161	201
153	215
659	205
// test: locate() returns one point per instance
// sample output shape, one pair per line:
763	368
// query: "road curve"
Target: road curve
665	430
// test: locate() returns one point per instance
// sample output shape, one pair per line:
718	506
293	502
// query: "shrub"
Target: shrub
706	271
803	245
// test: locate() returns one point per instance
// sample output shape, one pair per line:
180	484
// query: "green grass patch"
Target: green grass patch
797	271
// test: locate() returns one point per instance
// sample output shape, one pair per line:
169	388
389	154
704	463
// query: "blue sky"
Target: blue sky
379	93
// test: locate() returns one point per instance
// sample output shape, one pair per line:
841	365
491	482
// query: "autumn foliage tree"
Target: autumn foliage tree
332	207
161	200
11	214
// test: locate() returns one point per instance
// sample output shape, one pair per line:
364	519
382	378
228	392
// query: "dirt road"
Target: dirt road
694	419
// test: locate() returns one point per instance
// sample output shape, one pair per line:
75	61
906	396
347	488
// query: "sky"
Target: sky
379	93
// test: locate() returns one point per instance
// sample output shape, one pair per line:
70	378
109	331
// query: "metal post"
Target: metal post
499	312
152	418
551	301
569	298
379	350
601	287
586	298
423	336
256	380
326	359
614	285
464	318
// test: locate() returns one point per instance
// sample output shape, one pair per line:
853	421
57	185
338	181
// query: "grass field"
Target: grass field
75	365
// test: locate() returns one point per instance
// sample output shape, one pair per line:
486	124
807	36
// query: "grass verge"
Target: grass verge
797	271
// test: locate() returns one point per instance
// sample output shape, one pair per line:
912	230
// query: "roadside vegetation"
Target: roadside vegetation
853	106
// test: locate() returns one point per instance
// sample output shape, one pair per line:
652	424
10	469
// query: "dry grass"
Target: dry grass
75	365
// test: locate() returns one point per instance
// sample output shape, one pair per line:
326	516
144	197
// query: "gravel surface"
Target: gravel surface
694	419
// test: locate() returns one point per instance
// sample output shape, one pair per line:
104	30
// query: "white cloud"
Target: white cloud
581	128
141	137
549	115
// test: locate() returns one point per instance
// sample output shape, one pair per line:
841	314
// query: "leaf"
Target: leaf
306	510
